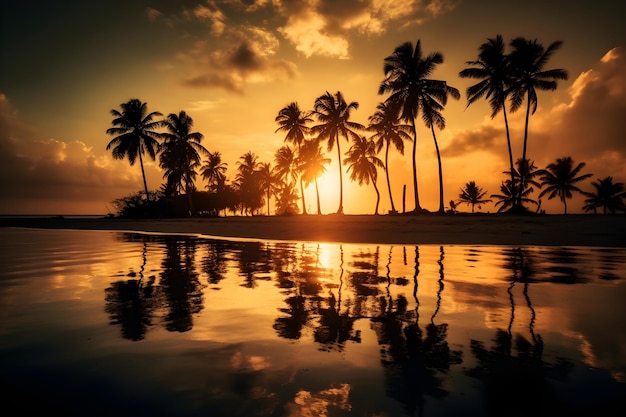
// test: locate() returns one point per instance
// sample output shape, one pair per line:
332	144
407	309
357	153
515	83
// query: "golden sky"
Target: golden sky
233	64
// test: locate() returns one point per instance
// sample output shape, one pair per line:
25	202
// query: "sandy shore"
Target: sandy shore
480	229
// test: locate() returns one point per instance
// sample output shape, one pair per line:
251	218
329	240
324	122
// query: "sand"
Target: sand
467	229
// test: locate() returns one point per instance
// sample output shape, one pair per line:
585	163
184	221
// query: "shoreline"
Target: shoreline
468	229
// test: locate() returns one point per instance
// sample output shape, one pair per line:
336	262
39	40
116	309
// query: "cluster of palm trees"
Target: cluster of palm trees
560	179
504	78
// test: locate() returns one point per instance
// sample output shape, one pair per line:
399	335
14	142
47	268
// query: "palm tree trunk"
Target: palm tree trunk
393	207
143	174
340	209
508	142
522	168
564	206
441	208
268	201
302	192
415	193
377	194
317	194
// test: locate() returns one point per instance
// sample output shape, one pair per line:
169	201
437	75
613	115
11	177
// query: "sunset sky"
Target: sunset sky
233	64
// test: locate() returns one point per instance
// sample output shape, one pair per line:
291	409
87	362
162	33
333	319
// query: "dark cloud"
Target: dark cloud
484	138
64	174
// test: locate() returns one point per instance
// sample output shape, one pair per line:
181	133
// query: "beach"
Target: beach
467	229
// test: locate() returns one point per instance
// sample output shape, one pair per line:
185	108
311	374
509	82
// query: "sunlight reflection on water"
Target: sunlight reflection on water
100	323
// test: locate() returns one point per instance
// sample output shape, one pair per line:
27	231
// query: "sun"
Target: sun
328	185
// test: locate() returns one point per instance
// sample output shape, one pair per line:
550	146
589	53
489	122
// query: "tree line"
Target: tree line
507	80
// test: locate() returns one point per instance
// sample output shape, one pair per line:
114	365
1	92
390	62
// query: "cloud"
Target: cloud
323	27
227	55
590	126
234	43
66	175
486	137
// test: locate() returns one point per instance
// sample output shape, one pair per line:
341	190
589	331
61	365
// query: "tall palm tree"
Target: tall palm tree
406	79
287	167
493	69
268	181
333	116
388	131
214	171
560	177
528	59
294	122
363	164
435	99
181	153
312	164
247	182
473	194
134	131
608	194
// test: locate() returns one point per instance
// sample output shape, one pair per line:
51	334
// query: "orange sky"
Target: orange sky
232	65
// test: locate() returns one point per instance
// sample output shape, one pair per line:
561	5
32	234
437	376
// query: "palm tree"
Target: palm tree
493	69
608	195
389	131
509	195
406	78
333	115
294	122
134	133
287	167
560	177
312	164
268	181
363	163
473	194
214	171
435	98
181	153
528	60
247	182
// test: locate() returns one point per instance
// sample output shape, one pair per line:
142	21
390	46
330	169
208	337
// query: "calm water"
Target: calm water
108	323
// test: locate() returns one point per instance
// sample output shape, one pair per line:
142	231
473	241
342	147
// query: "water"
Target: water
100	323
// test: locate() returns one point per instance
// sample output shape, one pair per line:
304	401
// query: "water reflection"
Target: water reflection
285	329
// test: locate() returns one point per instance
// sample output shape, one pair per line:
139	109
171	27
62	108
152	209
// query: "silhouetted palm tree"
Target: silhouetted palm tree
333	115
286	164
312	165
268	181
473	194
528	60
247	181
608	195
492	67
363	163
435	98
294	122
388	131
286	199
406	78
509	195
134	133
214	171
560	177
181	154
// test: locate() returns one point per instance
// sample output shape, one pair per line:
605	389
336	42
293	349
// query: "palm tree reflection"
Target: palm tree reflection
411	358
513	371
130	303
180	284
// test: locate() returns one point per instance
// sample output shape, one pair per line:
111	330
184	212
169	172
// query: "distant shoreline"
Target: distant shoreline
466	229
